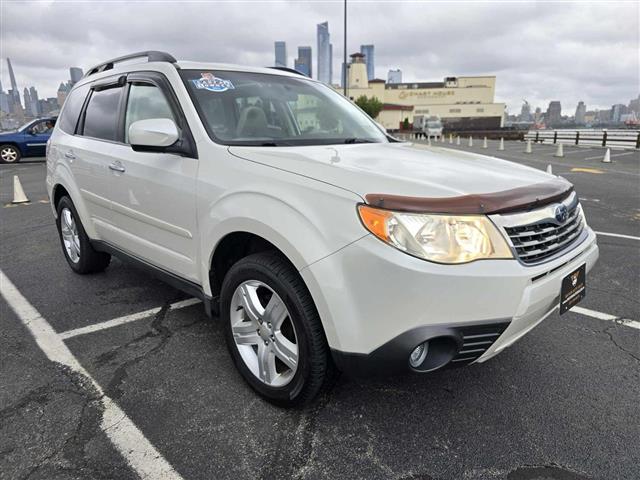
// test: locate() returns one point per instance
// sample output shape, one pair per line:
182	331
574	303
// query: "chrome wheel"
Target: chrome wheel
264	333
9	154
70	236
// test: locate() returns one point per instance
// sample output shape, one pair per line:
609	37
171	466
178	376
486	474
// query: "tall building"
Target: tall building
4	100
368	52
553	117
525	112
303	62
27	101
63	91
634	105
15	106
394	76
75	73
617	111
330	63
281	54
581	111
324	53
34	103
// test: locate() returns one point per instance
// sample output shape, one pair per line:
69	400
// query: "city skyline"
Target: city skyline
542	63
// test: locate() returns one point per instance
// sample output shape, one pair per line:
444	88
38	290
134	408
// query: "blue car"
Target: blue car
30	140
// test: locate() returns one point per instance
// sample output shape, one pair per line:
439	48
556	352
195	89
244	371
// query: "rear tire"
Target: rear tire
76	246
9	154
270	277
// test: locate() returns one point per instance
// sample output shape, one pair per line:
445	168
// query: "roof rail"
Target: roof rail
151	55
287	69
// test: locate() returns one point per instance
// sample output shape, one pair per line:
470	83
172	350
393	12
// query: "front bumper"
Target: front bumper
377	303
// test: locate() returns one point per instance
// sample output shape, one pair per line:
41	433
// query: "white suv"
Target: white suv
321	242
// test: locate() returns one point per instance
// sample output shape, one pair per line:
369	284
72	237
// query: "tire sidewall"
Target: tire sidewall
246	270
15	149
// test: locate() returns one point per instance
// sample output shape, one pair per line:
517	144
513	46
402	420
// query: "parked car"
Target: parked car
29	140
321	243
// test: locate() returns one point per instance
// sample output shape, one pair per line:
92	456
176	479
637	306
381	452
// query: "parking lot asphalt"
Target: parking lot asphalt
563	403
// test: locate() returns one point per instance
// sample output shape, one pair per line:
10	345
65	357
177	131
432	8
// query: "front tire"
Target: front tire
273	330
76	246
9	154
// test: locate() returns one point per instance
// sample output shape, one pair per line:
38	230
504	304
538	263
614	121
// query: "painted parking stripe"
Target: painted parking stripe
612	155
125	319
605	316
617	235
139	453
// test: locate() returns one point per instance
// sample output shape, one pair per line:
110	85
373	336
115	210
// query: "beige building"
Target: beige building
460	102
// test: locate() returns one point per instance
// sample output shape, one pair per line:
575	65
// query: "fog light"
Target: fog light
418	355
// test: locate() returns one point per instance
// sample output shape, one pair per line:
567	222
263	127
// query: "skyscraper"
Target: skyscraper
34	104
303	62
394	76
324	53
4	100
75	73
553	116
281	54
15	106
368	52
581	110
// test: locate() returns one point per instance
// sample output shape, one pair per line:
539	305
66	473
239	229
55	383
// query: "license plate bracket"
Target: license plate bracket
574	288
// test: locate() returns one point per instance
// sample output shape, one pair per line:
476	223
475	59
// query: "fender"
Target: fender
62	176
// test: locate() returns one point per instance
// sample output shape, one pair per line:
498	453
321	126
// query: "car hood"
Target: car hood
398	168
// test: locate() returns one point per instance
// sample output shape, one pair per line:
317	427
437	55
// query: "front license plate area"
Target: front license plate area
574	288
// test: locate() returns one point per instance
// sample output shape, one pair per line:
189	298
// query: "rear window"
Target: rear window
101	116
71	111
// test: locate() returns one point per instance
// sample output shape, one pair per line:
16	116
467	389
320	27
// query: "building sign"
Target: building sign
425	94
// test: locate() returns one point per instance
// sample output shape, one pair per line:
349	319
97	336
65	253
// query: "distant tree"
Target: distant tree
405	124
372	105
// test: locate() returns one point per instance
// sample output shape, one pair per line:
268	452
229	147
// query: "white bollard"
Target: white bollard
429	140
607	156
560	151
501	146
470	141
484	143
18	192
549	170
441	138
458	140
450	138
528	149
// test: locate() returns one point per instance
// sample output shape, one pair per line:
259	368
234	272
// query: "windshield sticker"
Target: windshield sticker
212	83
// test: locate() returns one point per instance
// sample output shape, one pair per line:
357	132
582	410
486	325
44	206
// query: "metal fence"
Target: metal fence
595	138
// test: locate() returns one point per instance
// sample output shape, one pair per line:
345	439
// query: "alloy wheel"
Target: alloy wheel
264	333
70	236
9	154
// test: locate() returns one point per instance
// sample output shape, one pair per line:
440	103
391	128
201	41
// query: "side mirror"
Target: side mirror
153	132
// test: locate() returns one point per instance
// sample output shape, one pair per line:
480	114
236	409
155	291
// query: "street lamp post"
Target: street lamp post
344	59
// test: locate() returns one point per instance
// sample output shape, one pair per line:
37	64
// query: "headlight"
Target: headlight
435	237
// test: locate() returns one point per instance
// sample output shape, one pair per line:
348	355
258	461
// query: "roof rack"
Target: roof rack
151	55
287	69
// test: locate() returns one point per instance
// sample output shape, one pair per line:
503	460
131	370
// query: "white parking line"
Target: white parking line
617	235
612	155
138	452
125	319
606	317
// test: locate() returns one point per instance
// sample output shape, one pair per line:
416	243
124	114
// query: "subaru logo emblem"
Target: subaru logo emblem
561	213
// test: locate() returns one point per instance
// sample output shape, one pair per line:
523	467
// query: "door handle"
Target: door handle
70	155
116	167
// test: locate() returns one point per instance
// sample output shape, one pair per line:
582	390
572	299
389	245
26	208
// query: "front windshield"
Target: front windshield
241	108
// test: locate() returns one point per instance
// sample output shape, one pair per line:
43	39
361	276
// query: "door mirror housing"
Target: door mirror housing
156	133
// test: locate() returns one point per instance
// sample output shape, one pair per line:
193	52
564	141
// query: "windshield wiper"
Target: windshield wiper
358	140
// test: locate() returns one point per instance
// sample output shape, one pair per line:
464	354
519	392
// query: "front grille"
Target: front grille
477	340
536	242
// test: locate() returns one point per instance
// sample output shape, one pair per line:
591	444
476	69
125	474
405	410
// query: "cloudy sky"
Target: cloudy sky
539	51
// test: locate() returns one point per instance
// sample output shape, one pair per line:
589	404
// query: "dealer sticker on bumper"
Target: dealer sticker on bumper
574	288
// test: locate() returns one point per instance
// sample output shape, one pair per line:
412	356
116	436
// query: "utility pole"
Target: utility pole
345	76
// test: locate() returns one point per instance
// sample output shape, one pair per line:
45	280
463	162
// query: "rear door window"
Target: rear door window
101	115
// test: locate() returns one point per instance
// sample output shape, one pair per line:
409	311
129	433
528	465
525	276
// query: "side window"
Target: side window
145	101
71	111
45	126
101	116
